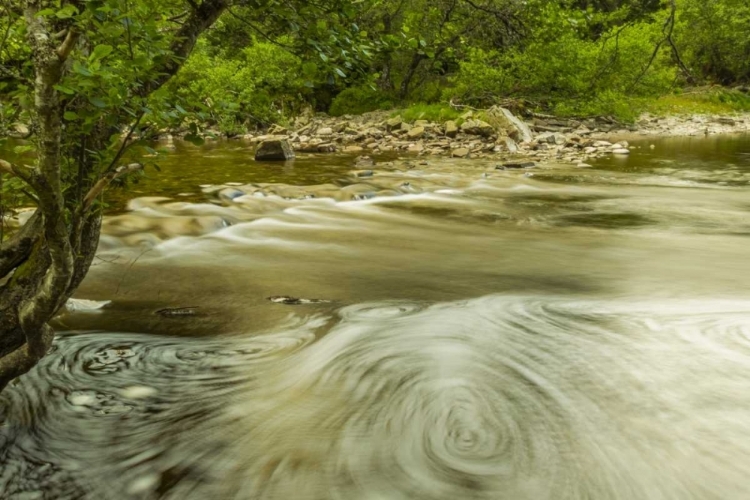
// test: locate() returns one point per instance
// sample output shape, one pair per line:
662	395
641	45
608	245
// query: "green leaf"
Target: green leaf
64	89
323	57
100	52
98	102
339	72
70	115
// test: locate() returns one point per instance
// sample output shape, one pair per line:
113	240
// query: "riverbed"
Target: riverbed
463	332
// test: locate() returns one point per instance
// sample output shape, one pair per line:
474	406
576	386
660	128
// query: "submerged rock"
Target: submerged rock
274	150
177	311
516	164
293	301
364	161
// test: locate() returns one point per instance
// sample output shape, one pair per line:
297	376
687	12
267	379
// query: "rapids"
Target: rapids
557	333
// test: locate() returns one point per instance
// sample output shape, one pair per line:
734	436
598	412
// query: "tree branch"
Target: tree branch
199	20
66	47
107	180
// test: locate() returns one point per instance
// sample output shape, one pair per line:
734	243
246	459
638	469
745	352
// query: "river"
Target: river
556	333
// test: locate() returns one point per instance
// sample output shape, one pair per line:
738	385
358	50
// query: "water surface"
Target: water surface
557	333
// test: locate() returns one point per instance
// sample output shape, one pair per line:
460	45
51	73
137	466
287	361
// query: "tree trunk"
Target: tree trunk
416	60
47	259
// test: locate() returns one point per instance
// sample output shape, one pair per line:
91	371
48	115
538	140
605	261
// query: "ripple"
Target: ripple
496	397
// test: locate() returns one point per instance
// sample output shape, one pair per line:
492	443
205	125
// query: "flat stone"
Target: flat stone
274	150
621	151
325	131
460	153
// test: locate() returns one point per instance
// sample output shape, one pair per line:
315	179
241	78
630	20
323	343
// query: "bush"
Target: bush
569	73
358	100
263	84
432	112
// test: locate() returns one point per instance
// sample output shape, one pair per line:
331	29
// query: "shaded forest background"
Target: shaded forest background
267	61
572	57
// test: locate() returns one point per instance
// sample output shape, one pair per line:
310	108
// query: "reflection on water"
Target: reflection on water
574	334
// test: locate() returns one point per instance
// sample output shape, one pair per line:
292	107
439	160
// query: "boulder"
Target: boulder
451	129
621	151
325	131
353	149
515	128
415	132
393	123
477	127
274	150
460	153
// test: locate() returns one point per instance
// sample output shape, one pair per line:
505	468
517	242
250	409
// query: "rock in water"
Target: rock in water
274	150
83	305
177	311
364	161
294	301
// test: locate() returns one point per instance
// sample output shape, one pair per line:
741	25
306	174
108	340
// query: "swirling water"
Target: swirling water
573	334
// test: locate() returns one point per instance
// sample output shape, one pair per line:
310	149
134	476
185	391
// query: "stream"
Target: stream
556	333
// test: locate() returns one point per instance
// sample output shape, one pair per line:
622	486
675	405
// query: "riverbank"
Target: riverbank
491	134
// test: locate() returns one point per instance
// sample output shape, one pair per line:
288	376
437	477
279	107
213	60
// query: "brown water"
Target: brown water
559	333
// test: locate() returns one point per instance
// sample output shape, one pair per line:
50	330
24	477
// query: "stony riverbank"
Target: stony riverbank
493	133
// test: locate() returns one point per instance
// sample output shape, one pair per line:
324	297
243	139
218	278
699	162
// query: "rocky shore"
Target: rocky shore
494	133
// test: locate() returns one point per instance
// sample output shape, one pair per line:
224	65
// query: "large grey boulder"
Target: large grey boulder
274	150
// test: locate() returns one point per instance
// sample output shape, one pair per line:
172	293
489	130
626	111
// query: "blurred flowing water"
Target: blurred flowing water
557	333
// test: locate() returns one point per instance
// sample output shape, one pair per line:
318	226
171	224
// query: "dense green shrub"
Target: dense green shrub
570	73
360	99
262	84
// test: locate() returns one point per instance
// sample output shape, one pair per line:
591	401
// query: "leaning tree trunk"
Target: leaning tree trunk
46	260
29	247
